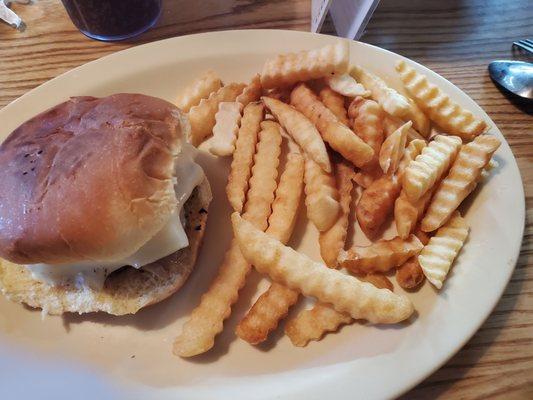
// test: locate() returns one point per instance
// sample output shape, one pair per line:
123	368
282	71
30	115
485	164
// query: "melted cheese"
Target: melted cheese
171	238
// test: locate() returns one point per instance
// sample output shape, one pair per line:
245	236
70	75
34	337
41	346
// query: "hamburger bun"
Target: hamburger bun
92	179
126	290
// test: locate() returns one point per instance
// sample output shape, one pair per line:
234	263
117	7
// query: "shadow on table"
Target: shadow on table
458	366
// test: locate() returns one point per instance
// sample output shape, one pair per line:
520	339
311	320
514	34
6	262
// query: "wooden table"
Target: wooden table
454	38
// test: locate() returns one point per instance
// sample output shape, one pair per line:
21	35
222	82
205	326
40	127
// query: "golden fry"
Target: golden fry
332	240
288	194
453	118
413	149
389	99
393	148
301	130
206	321
335	102
241	165
264	174
287	69
420	121
321	196
437	256
202	116
252	92
430	165
462	179
376	203
273	305
347	294
410	275
264	316
380	256
313	324
346	85
228	118
339	136
367	117
407	213
199	89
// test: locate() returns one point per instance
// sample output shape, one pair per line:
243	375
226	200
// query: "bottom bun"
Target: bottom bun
126	290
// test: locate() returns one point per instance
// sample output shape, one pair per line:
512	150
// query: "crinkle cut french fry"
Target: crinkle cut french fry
321	196
273	305
390	124
202	116
264	316
288	194
332	240
367	117
297	271
207	319
197	90
346	85
393	148
338	135
453	118
301	130
413	149
252	92
407	213
437	256
313	324
462	179
390	100
287	69
228	118
410	275
241	165
376	203
420	121
380	256
264	175
430	165
335	102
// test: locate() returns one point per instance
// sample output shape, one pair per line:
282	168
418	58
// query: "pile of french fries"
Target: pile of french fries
343	131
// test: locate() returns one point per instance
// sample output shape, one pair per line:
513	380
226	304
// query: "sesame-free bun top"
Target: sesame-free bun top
89	179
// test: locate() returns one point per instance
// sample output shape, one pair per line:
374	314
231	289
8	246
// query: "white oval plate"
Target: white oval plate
360	361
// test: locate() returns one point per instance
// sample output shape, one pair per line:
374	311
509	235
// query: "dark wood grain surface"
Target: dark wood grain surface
457	39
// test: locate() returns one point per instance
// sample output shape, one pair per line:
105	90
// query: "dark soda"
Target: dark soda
113	19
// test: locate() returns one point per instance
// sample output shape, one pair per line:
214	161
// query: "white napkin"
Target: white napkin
350	17
7	15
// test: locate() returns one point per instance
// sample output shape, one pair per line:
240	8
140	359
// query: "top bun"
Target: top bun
89	179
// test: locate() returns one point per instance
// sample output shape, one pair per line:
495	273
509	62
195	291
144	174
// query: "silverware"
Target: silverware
526	44
515	76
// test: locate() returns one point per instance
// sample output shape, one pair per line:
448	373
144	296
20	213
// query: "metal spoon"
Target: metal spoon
515	76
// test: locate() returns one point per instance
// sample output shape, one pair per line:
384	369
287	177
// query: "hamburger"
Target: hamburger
102	206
